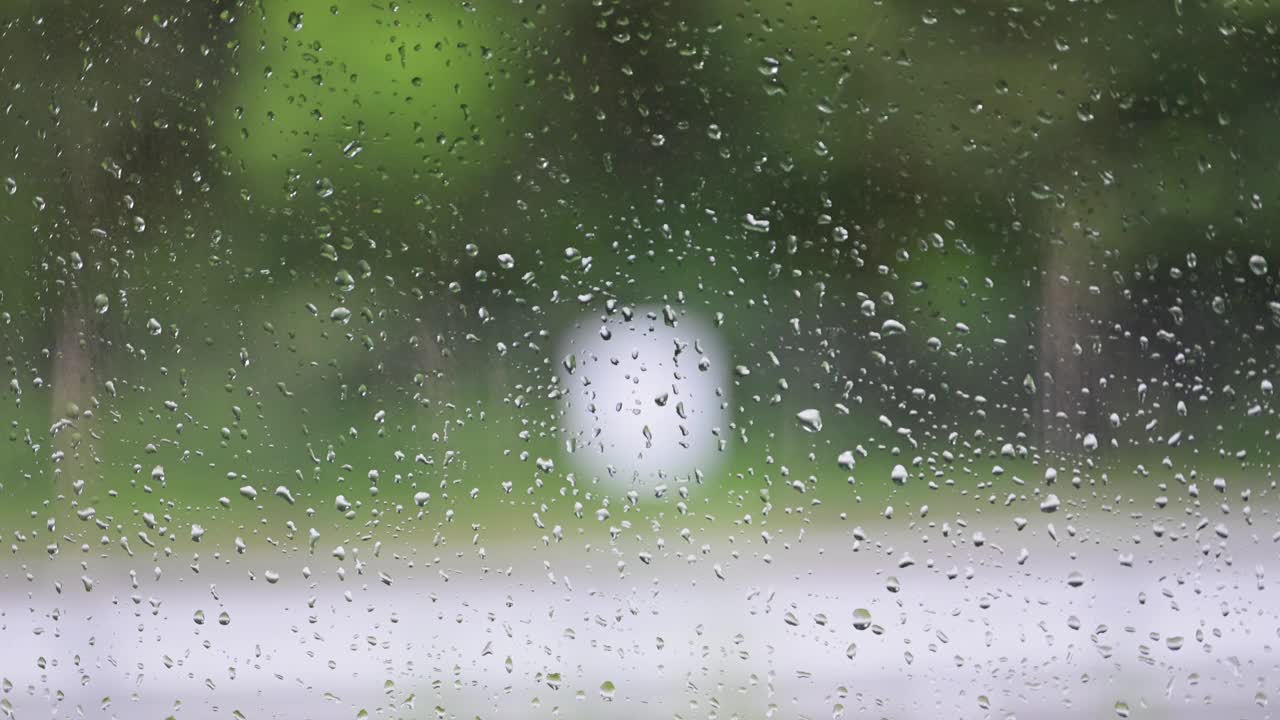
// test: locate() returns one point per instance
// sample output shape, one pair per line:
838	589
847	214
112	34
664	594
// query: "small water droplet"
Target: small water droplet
899	474
861	619
810	420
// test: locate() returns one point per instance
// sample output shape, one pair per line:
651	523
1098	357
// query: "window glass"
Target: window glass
638	358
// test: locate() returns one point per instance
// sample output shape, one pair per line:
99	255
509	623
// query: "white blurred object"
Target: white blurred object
642	406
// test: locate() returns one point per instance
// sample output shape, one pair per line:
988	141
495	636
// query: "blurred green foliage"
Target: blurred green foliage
1026	183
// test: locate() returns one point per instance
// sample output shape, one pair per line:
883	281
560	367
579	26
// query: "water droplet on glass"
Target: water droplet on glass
899	474
861	619
810	420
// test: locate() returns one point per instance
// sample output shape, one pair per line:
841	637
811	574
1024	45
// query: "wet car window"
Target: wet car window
723	359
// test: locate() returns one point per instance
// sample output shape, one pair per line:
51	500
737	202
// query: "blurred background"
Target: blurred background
689	299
